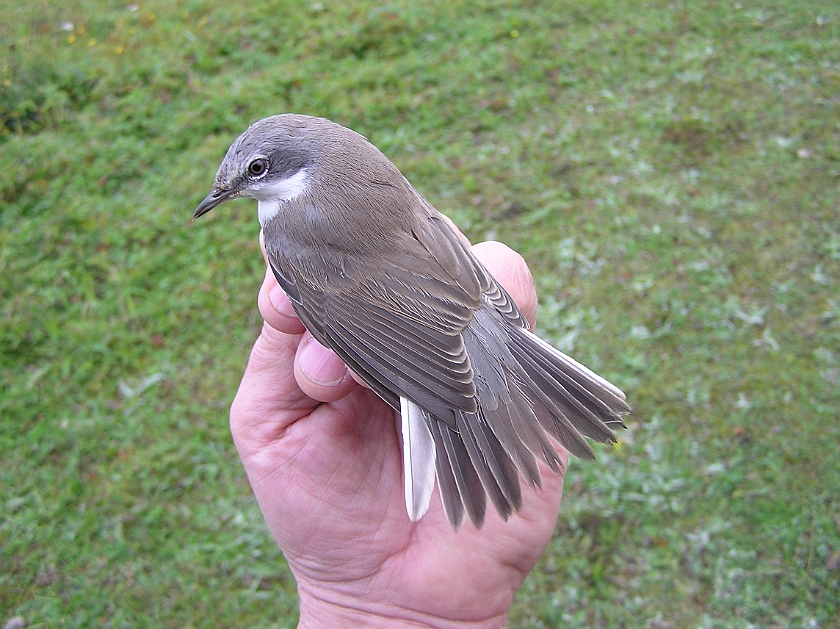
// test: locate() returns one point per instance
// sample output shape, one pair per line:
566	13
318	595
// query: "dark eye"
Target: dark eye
258	167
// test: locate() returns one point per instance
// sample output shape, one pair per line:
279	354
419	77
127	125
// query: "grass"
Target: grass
670	170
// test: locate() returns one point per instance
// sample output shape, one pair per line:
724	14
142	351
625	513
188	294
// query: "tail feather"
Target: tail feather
418	459
453	505
578	409
570	407
521	448
556	425
496	458
469	485
595	388
535	439
481	467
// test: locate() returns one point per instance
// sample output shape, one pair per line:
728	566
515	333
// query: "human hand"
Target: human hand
323	456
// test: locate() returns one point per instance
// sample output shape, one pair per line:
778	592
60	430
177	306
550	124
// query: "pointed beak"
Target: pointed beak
217	197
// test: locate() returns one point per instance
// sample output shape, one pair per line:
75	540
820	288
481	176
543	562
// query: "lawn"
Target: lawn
670	170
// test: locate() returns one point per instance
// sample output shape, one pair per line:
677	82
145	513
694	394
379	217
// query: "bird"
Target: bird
382	278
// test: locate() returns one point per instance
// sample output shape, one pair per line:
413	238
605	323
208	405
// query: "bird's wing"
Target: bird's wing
397	321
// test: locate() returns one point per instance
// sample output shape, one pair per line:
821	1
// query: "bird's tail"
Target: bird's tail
536	394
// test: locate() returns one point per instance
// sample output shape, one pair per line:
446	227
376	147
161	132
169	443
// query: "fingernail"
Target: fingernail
321	365
280	302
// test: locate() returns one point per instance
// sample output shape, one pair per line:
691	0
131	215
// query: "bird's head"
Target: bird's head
292	163
271	162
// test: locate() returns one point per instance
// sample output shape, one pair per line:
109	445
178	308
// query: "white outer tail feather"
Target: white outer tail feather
418	459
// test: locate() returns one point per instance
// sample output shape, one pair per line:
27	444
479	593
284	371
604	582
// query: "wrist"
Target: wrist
336	611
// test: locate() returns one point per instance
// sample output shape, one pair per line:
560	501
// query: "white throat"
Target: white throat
271	196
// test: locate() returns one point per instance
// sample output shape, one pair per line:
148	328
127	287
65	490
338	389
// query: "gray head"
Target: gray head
284	157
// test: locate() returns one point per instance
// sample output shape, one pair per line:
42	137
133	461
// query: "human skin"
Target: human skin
323	456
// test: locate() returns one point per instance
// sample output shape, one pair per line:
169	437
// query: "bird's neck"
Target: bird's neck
271	197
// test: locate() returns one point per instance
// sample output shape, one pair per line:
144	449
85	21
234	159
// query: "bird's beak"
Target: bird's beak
217	197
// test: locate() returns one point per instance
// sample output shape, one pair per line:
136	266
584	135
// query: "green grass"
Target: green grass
670	170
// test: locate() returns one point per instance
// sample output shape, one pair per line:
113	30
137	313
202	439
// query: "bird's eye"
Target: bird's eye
258	167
